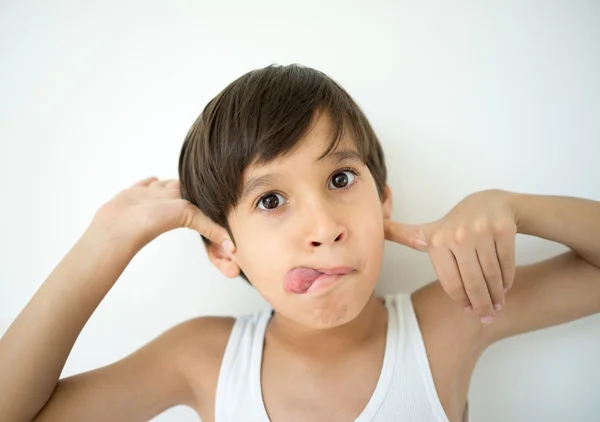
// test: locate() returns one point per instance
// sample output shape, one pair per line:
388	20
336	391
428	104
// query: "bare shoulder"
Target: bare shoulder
553	291
179	367
453	344
198	346
207	334
443	323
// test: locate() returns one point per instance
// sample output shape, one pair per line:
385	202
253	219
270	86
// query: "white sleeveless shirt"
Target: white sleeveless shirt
404	392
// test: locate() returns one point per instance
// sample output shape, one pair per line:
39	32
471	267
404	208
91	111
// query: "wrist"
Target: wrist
517	203
112	237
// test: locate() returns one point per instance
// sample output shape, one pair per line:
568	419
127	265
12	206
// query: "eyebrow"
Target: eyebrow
338	157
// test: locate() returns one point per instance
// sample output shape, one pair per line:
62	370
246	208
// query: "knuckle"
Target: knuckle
504	227
508	266
505	258
508	273
492	274
475	287
495	286
490	268
481	225
461	235
437	240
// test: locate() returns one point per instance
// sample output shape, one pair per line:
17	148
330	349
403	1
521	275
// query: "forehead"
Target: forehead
317	148
319	145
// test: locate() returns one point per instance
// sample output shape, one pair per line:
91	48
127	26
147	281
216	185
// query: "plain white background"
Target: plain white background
463	95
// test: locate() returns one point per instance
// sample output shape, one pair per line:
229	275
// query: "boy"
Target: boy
285	179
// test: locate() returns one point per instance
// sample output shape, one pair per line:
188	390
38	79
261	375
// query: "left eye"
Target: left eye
342	179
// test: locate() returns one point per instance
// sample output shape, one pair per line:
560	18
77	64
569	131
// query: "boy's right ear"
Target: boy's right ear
222	257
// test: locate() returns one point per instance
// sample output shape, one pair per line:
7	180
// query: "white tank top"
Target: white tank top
404	392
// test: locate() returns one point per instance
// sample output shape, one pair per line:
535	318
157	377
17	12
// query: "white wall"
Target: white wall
96	95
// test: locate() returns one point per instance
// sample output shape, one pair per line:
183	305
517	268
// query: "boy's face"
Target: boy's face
312	213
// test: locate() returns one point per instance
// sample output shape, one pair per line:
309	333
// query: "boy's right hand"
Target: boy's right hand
150	208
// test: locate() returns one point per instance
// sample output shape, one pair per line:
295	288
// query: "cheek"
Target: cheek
370	236
368	220
260	254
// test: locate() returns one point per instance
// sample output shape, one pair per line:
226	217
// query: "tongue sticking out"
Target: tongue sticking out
300	279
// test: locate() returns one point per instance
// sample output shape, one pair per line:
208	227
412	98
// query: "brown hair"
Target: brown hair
257	118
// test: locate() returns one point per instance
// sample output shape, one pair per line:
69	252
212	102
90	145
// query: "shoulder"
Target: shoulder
196	348
453	344
451	335
209	333
179	367
441	320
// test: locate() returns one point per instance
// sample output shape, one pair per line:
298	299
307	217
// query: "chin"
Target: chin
339	309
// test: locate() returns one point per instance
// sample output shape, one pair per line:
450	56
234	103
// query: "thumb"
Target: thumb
411	235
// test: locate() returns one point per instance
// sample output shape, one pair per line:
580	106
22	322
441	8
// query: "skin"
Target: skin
330	344
315	224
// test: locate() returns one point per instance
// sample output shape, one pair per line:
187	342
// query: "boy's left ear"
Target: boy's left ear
386	202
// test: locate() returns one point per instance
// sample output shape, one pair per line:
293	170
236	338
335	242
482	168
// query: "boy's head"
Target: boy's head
288	164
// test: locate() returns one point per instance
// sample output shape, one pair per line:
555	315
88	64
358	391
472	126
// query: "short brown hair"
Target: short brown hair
257	118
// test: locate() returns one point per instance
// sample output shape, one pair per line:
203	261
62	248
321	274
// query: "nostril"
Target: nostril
315	243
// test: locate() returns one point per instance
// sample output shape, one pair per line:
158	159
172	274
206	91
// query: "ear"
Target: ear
222	258
386	202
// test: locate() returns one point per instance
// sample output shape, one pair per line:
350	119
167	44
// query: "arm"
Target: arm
180	367
472	250
573	222
551	292
34	349
560	289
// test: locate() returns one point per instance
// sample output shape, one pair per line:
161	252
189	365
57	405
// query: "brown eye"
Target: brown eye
342	179
270	201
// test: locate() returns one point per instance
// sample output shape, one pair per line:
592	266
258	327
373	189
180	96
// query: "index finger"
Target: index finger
405	234
196	220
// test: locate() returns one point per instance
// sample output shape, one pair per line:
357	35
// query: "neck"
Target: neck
370	322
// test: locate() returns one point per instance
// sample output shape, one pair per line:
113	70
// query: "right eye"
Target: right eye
270	202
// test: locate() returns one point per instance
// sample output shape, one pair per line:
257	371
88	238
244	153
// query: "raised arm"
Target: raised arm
560	289
34	349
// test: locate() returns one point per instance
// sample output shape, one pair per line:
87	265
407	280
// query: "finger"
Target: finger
474	283
198	221
155	183
488	261
446	269
505	249
165	182
172	184
404	234
146	181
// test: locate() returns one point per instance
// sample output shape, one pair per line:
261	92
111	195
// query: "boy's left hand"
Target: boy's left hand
472	249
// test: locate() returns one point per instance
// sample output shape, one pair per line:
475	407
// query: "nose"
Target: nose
323	225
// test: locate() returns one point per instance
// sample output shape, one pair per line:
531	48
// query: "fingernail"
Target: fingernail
468	308
497	307
486	319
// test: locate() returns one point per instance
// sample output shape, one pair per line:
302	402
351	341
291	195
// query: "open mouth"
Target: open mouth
302	280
